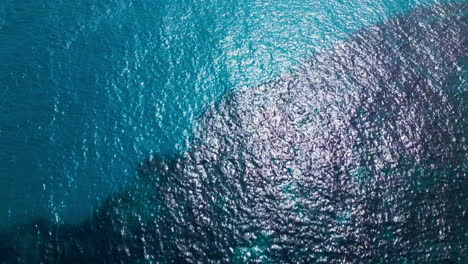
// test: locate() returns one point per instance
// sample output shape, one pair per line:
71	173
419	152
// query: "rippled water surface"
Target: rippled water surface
233	132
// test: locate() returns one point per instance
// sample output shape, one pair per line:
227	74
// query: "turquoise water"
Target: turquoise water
233	132
91	88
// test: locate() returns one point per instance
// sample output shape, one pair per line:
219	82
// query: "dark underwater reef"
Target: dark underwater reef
357	156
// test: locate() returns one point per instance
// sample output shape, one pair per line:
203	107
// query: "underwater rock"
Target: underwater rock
356	156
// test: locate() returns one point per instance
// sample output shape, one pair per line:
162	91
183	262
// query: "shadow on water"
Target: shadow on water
357	156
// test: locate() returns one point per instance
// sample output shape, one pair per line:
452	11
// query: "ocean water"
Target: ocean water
91	88
183	131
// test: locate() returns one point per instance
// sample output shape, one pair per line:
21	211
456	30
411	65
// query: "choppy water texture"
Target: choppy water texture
355	155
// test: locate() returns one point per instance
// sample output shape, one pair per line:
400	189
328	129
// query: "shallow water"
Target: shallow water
356	155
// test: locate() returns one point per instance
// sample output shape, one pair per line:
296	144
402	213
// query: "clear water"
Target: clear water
90	90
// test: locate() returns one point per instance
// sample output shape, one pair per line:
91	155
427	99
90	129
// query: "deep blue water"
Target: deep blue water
90	90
